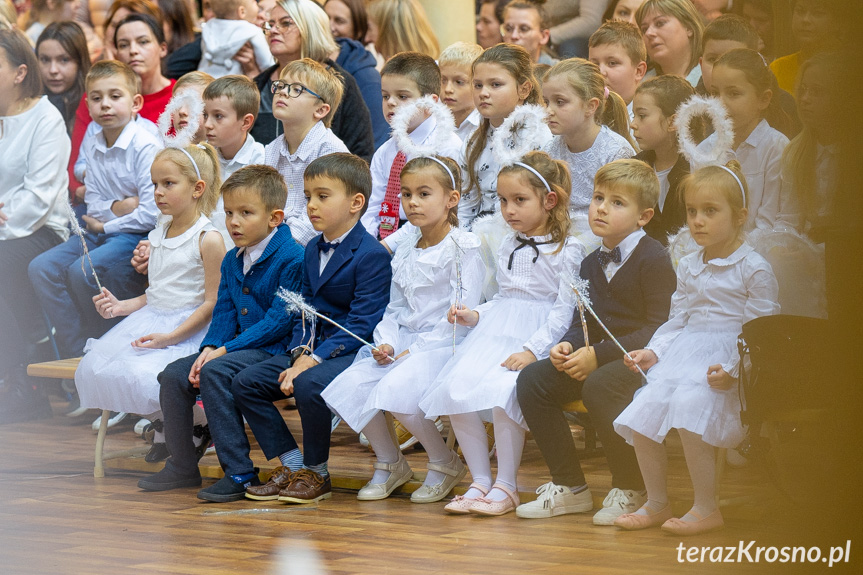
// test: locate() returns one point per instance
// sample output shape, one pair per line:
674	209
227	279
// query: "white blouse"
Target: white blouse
34	154
424	286
607	147
540	280
720	295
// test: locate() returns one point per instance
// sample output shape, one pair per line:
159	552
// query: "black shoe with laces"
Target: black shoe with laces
226	489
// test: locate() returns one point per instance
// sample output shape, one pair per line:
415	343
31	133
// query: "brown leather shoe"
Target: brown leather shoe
280	479
306	486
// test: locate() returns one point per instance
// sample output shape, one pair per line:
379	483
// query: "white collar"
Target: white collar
627	244
256	251
244	154
339	239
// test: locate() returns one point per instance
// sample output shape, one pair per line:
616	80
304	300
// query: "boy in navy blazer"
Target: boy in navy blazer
347	278
630	285
249	325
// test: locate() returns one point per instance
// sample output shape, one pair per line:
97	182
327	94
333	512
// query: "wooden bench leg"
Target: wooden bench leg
99	469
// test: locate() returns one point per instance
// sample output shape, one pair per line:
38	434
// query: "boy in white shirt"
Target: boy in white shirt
223	36
456	64
305	98
114	164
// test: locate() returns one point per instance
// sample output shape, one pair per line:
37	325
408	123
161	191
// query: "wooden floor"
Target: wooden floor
56	518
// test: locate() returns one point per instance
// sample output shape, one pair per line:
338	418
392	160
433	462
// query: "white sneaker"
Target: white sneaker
116	417
619	502
555	500
139	427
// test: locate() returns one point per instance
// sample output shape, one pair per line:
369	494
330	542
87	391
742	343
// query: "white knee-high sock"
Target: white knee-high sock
470	432
381	439
701	462
426	432
653	462
509	443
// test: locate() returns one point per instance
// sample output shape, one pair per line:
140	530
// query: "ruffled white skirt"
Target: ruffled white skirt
473	380
114	375
677	394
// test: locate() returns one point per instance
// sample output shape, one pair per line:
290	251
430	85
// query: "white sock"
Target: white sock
701	462
378	433
428	435
653	462
471	435
509	442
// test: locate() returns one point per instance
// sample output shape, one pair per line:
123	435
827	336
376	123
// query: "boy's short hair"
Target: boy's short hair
323	80
460	55
225	9
632	177
241	92
731	27
350	170
625	34
420	68
265	181
193	78
112	69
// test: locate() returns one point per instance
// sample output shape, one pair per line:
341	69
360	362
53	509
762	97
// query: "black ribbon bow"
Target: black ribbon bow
524	242
607	257
326	246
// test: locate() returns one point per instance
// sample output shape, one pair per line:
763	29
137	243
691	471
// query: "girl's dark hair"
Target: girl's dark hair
757	72
176	14
18	52
154	26
441	177
71	38
516	61
359	17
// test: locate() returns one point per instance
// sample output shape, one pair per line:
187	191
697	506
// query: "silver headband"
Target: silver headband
444	166
739	183
534	172
191	159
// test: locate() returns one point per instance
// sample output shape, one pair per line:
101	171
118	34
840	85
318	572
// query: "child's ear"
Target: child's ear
241	12
646	216
276	218
640	71
200	187
592	106
322	111
137	103
454	199
357	203
550	201
435	97
764	99
671	120
742	216
524	90
248	121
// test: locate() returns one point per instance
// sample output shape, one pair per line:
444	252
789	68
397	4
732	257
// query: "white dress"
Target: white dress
531	311
708	310
423	288
607	147
113	374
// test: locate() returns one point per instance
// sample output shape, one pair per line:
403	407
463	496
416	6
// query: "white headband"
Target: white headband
444	166
191	159
739	183
534	172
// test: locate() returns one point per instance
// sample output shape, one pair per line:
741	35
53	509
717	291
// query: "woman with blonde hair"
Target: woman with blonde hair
301	29
672	32
401	26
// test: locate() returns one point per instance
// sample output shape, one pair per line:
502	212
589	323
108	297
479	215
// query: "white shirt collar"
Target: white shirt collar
758	134
244	154
423	131
627	245
339	239
253	254
123	140
307	146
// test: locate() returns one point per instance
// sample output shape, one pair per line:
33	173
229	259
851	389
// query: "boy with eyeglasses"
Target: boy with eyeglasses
305	98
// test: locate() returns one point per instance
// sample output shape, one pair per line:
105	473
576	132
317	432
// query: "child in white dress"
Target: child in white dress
590	126
118	371
519	325
414	338
693	359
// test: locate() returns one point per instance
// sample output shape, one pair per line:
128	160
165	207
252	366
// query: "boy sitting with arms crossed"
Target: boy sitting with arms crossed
405	78
347	278
305	99
630	284
456	63
618	49
114	164
249	325
230	107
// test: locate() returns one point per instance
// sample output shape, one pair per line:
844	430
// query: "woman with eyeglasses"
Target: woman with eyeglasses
301	29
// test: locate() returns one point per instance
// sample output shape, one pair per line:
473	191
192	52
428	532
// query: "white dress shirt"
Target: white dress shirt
251	152
324	257
627	246
119	172
320	141
251	254
469	126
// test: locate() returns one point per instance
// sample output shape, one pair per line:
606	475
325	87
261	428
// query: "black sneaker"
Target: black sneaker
202	432
168	479
226	489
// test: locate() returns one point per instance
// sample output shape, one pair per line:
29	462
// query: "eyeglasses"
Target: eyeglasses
508	29
292	90
284	25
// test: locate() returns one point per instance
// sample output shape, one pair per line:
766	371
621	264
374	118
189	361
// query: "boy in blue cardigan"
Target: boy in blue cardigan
249	325
347	278
630	285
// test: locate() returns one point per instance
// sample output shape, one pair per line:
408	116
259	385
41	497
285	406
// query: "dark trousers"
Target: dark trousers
177	397
606	392
20	314
257	387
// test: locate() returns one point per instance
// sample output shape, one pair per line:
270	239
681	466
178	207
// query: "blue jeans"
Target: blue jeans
66	292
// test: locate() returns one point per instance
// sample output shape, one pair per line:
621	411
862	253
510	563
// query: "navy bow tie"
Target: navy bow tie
524	242
606	257
326	246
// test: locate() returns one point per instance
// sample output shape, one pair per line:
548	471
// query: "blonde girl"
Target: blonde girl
590	126
692	360
437	266
516	327
118	371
